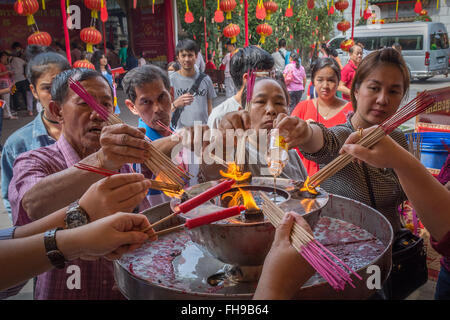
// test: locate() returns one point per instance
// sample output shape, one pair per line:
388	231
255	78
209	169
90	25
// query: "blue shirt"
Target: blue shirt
31	136
152	135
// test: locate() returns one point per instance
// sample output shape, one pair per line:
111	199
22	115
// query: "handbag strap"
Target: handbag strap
369	186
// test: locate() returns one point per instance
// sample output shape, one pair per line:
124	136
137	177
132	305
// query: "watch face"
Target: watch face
75	217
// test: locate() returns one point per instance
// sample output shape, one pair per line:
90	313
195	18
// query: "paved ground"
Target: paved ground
9	126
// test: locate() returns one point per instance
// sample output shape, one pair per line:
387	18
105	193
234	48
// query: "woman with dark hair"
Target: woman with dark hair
379	86
295	79
100	63
44	130
327	108
132	61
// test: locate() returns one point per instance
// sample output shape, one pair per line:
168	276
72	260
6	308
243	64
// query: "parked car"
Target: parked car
425	45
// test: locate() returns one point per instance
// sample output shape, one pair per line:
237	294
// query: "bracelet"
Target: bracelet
53	254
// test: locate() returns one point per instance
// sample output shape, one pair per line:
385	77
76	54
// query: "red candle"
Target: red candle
204	196
215	216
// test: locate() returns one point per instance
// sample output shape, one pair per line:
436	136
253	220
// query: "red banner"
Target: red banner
149	32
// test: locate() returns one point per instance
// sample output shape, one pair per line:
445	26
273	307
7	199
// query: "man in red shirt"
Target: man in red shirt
210	64
348	72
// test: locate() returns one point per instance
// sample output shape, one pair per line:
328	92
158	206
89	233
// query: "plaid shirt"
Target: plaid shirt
96	277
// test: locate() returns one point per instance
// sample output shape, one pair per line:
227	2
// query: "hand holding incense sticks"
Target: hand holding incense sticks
320	258
155	185
205	219
198	200
416	106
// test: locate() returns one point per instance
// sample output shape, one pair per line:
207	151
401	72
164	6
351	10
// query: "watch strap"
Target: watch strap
54	255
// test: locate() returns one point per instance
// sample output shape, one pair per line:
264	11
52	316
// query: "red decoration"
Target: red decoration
83	64
218	16
341	5
188	16
423	12
90	36
289	10
271	7
367	14
40	38
418	7
260	10
343	26
231	31
264	30
331	10
347	44
207	195
27	8
228	6
104	12
310	4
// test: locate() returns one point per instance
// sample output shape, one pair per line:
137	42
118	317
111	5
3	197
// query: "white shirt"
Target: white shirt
200	62
222	109
18	67
226	62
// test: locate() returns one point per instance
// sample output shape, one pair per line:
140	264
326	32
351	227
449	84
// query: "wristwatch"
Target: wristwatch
76	216
54	255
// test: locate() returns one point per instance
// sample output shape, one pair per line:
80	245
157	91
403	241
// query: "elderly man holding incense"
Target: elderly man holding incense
45	180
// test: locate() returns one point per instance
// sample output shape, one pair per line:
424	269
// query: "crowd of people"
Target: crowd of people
44	192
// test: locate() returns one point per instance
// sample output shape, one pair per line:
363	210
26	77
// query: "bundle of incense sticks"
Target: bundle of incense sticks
416	106
415	144
199	199
319	257
201	221
155	185
158	163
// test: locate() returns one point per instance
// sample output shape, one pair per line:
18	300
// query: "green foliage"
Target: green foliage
300	31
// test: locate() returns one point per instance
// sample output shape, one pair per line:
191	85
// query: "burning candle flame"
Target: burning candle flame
234	172
241	196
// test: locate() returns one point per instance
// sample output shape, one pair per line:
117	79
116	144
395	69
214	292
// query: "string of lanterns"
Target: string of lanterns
27	8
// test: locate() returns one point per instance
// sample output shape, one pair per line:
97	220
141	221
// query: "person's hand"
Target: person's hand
294	130
183	100
235	120
120	144
284	270
110	237
385	154
120	192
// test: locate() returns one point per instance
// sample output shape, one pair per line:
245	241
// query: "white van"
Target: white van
425	45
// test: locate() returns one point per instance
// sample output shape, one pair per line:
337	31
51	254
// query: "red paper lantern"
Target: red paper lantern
218	16
189	17
271	7
310	4
418	7
228	6
260	11
83	64
331	10
347	44
231	31
343	26
341	5
367	14
40	38
423	12
95	6
90	36
27	8
264	30
289	10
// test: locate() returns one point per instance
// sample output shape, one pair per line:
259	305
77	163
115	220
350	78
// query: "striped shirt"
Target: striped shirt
351	182
96	278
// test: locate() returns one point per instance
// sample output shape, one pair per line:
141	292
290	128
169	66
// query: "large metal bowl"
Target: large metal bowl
134	286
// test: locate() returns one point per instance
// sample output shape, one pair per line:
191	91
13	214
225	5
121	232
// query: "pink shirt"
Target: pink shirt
298	75
96	277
